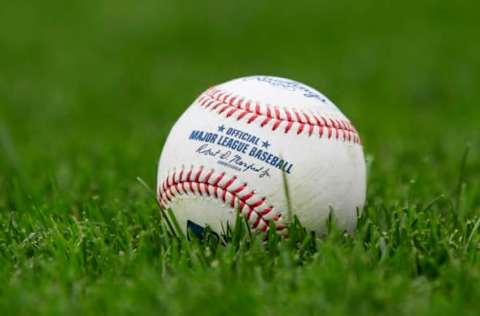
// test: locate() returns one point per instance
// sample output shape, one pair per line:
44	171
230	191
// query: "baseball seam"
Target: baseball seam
250	111
227	189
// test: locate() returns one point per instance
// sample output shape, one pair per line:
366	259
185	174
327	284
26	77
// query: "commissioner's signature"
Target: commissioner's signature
234	161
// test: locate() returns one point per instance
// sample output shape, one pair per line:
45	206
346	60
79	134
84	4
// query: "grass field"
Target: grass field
89	90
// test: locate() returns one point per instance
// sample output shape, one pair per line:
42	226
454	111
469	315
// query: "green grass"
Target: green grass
89	91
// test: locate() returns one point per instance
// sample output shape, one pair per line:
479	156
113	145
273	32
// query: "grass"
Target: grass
89	91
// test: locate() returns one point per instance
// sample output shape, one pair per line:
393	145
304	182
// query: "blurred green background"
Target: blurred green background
89	90
85	79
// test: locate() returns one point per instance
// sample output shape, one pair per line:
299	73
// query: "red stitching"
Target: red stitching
220	101
234	194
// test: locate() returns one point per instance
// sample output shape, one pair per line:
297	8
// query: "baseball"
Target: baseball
267	148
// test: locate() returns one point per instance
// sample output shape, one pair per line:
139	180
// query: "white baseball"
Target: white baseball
232	149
